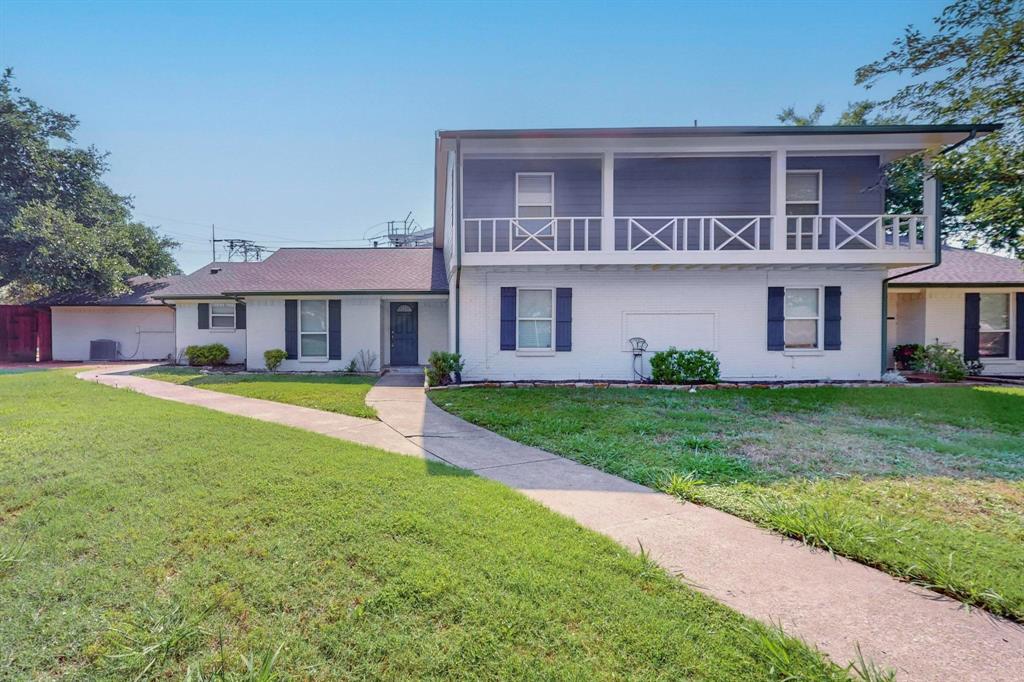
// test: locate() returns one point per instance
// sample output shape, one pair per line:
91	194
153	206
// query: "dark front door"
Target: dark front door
404	334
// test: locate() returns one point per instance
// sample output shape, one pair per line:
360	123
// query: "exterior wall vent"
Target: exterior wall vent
103	349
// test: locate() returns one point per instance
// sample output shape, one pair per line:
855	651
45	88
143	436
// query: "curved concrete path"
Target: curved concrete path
833	603
356	429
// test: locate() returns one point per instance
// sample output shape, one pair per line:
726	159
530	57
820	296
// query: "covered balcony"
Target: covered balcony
759	207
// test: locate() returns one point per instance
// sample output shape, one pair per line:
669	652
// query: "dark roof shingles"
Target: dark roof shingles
144	290
961	266
299	270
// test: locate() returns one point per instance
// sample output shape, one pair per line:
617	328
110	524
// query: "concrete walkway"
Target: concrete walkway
356	429
830	602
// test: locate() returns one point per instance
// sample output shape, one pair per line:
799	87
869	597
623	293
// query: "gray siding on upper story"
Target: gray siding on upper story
693	186
850	184
489	186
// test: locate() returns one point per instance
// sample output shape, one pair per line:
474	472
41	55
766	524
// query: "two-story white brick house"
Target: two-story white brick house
766	245
555	249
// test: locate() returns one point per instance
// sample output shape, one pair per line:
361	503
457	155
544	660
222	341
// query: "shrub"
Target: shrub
212	354
272	358
441	366
941	360
351	366
674	366
975	367
905	353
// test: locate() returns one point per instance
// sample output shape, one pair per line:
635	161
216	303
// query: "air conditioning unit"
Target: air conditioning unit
103	349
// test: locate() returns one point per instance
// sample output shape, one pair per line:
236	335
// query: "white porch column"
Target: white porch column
779	200
930	205
608	201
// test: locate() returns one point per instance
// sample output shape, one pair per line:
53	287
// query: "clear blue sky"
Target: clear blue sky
314	121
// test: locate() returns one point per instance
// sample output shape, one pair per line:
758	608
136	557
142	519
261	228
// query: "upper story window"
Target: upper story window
994	337
535	195
222	316
803	318
313	330
803	192
535	319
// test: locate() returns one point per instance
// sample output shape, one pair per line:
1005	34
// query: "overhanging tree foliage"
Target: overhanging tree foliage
61	228
971	70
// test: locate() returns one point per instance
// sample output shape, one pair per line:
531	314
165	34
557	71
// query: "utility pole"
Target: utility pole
213	242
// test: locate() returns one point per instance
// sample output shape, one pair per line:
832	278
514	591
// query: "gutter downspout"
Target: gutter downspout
458	240
938	254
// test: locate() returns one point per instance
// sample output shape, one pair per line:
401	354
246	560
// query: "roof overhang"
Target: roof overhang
713	131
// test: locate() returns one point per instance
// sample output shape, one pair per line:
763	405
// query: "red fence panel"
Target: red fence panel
25	334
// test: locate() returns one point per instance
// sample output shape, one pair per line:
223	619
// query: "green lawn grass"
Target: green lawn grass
145	538
925	483
333	393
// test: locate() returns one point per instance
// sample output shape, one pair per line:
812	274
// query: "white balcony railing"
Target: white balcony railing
497	235
859	232
754	238
693	233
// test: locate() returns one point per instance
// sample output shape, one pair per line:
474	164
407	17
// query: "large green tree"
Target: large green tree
968	69
62	229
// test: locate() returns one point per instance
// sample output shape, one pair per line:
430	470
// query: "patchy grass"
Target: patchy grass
340	393
925	483
151	539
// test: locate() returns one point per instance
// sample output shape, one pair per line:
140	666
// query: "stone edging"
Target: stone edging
694	387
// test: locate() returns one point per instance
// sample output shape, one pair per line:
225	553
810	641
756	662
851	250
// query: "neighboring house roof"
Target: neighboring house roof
308	271
144	290
961	267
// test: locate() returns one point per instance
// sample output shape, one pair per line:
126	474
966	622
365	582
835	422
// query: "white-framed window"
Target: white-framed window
994	334
803	192
222	316
313	330
535	204
535	319
802	310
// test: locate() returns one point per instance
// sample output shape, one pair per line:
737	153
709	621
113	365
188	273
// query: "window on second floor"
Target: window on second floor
535	195
994	337
803	192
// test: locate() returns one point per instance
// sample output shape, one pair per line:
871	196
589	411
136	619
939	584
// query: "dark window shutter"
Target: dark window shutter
563	319
204	315
833	317
291	329
239	316
1020	325
776	318
972	325
508	318
334	329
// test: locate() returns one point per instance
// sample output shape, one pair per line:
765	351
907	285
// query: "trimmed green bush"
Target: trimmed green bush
942	360
273	358
212	354
441	366
675	366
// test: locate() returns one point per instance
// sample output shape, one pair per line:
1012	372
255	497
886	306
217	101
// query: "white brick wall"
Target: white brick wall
143	332
944	323
736	301
186	319
360	329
